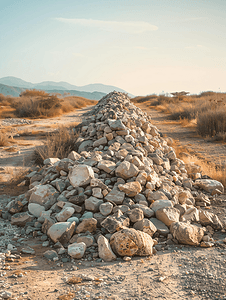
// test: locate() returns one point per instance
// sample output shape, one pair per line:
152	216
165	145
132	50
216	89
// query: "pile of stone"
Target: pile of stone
119	194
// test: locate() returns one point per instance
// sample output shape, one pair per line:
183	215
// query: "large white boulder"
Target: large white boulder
80	175
45	195
61	231
126	170
77	250
186	233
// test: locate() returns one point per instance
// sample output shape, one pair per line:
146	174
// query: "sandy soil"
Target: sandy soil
18	156
187	137
175	272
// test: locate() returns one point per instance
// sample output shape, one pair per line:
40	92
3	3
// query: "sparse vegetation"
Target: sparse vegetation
40	104
58	144
207	108
217	172
4	140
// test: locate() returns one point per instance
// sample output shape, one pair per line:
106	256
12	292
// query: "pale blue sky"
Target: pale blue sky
142	46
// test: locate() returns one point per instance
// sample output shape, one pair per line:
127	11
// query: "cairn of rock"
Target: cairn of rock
118	194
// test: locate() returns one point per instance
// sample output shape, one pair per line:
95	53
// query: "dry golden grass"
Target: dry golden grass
40	104
207	108
4	140
58	144
67	296
13	186
28	132
217	172
7	112
11	149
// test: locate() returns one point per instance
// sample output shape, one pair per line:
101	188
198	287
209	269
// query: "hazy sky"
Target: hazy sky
142	46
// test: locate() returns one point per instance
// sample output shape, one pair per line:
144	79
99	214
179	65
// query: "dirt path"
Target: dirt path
188	138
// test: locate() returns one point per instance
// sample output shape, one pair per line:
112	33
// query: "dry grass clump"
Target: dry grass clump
39	107
215	171
207	108
213	123
40	104
14	185
58	144
4	140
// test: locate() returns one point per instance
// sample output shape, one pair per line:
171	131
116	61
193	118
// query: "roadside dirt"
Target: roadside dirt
187	137
175	272
17	157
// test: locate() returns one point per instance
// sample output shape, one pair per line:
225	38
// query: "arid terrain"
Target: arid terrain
174	272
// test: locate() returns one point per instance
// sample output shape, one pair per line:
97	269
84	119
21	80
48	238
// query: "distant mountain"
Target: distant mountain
52	85
10	90
14	81
16	91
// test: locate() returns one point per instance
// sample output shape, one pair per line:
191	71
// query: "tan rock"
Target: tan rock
109	136
186	233
130	242
65	214
20	219
158	204
146	226
74	155
135	215
104	249
142	178
44	195
206	218
168	215
61	231
106	165
209	185
115	196
87	225
93	204
77	250
186	197
126	170
80	175
131	189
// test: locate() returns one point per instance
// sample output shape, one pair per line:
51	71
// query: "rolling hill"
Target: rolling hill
16	91
62	86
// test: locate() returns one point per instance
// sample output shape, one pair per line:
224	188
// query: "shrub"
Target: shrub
34	93
212	122
58	144
4	140
38	108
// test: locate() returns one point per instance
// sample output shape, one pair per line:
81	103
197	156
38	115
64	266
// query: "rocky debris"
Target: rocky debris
122	183
15	121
